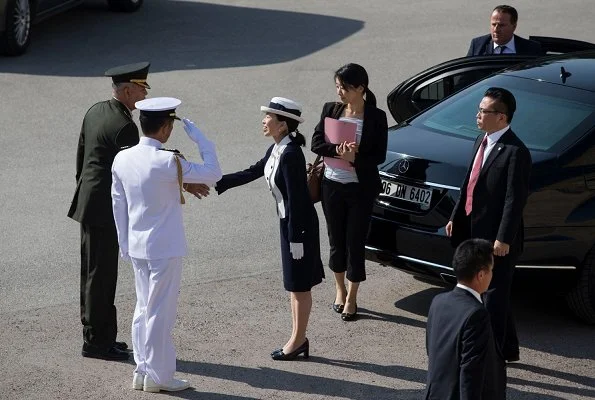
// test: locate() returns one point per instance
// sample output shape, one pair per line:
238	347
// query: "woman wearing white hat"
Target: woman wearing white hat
284	168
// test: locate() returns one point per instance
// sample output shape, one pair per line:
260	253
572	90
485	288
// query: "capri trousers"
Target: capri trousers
347	209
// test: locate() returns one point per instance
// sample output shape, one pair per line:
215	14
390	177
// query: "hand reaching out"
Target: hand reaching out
199	190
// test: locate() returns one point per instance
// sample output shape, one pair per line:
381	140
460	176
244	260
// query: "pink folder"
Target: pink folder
337	132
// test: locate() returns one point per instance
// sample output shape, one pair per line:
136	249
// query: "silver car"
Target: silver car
17	17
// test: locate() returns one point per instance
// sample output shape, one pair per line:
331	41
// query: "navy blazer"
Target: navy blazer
484	46
463	363
499	196
290	179
372	148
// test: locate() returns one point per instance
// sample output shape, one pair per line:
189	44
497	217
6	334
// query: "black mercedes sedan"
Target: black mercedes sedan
428	155
17	17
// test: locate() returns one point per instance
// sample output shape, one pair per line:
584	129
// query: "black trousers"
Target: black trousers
99	274
348	210
497	297
497	301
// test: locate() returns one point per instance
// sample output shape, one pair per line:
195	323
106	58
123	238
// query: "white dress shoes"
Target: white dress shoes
172	386
138	381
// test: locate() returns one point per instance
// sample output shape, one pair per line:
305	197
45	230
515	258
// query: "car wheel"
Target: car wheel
17	35
581	299
124	5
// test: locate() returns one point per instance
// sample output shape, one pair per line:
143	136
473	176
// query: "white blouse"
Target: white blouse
270	171
342	175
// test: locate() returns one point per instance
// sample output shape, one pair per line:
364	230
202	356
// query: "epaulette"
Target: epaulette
176	151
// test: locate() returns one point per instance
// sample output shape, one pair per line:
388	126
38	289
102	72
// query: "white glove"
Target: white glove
192	130
124	256
297	250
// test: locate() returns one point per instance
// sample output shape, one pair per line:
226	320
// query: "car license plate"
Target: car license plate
413	194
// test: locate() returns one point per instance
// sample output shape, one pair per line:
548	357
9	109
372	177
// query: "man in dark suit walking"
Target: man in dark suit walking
463	362
491	205
107	128
502	39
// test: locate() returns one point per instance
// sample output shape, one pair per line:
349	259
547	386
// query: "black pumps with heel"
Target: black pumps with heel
279	355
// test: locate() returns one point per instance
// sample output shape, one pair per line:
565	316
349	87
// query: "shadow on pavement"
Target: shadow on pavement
390	371
544	322
174	35
191	394
419	303
269	378
589	382
364	313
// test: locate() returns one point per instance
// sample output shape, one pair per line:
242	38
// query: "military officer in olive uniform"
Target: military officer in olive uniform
107	128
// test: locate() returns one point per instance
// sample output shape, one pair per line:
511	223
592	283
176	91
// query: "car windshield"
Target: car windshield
549	117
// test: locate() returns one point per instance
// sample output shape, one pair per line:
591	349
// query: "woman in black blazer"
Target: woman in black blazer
284	168
348	195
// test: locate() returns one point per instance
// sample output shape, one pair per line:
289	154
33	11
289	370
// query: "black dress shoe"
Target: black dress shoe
349	316
111	354
281	356
338	308
512	358
121	345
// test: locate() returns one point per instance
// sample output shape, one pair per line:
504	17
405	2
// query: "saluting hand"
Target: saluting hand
501	249
192	130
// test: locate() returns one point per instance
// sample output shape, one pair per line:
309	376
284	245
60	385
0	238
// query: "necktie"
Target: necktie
475	174
501	49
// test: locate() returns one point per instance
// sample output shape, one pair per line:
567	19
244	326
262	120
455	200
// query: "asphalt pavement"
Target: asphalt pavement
224	59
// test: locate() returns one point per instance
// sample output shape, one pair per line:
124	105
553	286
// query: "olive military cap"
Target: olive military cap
130	73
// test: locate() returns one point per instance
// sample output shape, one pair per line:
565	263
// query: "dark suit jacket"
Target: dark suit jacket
463	363
291	181
107	127
499	196
484	46
372	148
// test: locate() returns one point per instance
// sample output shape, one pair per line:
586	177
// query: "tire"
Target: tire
581	299
17	36
124	5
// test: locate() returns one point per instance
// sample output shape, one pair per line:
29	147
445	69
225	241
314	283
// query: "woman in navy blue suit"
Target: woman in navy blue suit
284	168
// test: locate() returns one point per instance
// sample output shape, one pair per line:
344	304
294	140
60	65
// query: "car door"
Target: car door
432	85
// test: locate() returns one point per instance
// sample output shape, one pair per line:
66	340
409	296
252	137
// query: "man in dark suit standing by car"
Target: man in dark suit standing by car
491	205
502	39
463	363
107	128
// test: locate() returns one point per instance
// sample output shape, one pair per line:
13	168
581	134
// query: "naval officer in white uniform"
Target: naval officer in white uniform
147	203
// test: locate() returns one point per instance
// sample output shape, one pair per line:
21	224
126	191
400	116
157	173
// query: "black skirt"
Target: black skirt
301	275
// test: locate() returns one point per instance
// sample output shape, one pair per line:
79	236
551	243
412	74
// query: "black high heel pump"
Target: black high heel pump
279	355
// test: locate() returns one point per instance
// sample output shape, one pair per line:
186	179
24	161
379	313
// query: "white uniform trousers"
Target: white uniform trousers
157	287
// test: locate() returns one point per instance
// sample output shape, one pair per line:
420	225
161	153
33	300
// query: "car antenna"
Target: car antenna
564	74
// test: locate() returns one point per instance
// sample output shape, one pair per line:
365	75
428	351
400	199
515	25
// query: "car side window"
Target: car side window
430	93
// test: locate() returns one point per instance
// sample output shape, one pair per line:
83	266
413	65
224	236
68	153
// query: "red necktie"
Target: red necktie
475	174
